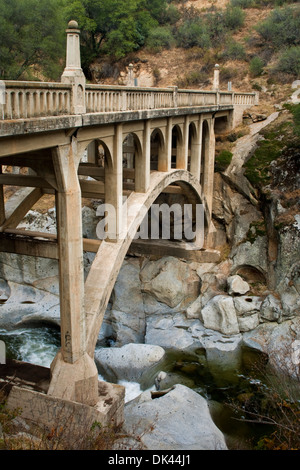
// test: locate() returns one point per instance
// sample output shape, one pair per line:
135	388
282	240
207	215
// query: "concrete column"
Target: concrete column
92	152
114	188
74	373
2	204
216	82
142	164
182	154
73	72
69	231
164	158
209	167
196	146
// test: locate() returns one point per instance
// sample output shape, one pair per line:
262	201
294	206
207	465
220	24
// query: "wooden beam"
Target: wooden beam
187	251
86	169
28	246
28	159
91	245
28	181
88	244
22	209
31	233
92	189
32	142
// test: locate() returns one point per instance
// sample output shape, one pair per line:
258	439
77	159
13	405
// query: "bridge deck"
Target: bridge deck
30	107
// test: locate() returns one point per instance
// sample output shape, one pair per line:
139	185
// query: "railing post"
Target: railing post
175	96
2	98
130	79
73	72
256	99
216	82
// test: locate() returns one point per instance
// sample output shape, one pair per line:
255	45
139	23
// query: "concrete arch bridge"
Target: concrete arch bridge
110	143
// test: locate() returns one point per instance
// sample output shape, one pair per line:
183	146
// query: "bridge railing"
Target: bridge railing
24	100
35	99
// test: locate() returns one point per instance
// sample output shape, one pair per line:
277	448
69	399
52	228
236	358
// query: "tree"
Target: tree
31	35
256	66
281	28
112	27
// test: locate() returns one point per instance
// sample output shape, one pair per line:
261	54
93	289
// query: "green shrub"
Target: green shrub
295	111
242	3
289	62
256	66
281	28
160	38
234	17
171	15
257	168
194	78
193	33
216	26
234	50
223	160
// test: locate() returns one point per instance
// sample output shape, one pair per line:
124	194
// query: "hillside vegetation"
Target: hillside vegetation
256	42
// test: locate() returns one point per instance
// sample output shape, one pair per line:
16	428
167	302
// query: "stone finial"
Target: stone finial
73	72
216	83
73	25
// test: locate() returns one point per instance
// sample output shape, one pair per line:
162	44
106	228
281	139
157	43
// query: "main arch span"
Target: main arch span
110	256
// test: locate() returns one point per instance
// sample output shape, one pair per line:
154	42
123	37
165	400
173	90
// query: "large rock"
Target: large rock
270	309
171	281
130	362
219	314
28	305
223	353
280	342
171	332
237	285
252	254
233	209
125	317
179	420
248	312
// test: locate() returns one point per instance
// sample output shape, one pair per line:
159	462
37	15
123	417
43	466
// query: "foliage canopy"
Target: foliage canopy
31	33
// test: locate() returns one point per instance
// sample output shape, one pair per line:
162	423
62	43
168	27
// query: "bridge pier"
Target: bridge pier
74	374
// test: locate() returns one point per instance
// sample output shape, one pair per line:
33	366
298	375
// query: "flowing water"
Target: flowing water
39	345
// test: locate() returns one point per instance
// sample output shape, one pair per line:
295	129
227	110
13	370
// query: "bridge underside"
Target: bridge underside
167	158
127	147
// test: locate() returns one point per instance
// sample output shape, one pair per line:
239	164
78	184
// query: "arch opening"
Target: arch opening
156	148
204	151
131	159
98	154
193	151
221	124
177	153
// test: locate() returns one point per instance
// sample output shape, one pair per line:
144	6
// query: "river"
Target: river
39	345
